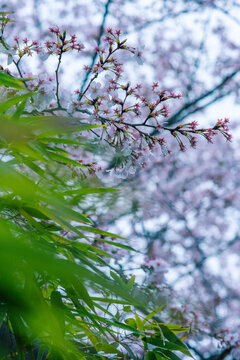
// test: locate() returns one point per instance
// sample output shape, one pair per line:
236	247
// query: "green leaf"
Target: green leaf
5	20
35	213
10	81
65	128
64	159
174	339
131	322
86	191
65	213
41	352
39	171
153	313
86	248
131	282
159	357
127	309
117	279
19	110
62	141
176	328
82	292
139	323
14	101
110	301
107	349
98	231
167	354
166	345
128	348
116	244
150	355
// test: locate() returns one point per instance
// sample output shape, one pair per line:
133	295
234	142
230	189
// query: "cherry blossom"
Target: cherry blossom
192	197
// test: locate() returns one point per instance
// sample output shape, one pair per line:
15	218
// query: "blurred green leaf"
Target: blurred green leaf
10	81
152	314
107	349
14	101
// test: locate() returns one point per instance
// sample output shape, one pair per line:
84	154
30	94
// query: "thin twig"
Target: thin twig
177	116
57	79
101	31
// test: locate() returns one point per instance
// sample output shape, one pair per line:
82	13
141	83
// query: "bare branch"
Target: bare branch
190	107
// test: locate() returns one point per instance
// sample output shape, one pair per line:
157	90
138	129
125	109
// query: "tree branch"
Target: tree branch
151	22
179	115
101	31
222	355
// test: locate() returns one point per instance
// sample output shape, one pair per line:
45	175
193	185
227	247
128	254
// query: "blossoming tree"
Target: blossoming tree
135	126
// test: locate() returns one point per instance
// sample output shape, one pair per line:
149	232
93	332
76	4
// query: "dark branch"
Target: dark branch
101	31
179	13
197	352
189	107
202	107
151	22
227	13
222	355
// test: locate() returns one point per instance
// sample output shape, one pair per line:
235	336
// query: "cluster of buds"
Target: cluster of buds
227	339
222	127
154	263
62	44
114	37
157	269
25	47
4	20
42	84
106	59
191	128
22	47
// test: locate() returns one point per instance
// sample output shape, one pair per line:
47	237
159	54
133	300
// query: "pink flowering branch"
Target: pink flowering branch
59	47
132	122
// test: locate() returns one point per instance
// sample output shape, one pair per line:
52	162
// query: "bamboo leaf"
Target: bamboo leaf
98	231
152	314
10	81
107	349
139	323
131	282
14	101
86	191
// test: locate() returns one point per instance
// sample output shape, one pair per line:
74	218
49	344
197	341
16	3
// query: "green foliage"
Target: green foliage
57	300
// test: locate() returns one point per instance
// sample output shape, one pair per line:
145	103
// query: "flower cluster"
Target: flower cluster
4	21
132	122
21	47
157	268
62	44
228	339
45	88
191	128
25	47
